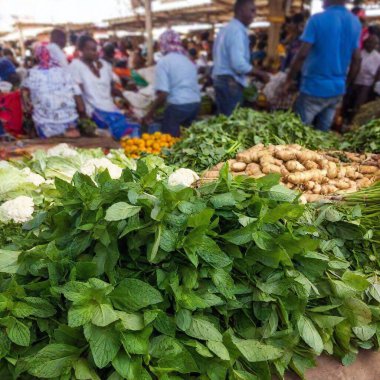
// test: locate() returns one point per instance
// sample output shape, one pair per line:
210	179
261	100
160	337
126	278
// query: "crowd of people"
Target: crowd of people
331	60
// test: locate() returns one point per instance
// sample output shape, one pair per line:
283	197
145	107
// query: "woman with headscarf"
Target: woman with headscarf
176	86
51	97
95	78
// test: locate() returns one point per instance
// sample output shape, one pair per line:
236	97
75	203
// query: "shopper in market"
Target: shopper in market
176	84
8	71
232	62
94	76
362	89
329	50
51	97
58	41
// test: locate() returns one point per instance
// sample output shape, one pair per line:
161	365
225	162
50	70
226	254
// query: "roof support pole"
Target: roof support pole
21	40
149	31
276	18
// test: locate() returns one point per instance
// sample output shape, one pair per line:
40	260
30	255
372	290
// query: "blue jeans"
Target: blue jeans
317	112
228	93
179	115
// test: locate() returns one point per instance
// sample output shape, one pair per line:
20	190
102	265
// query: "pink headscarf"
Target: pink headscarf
170	42
45	60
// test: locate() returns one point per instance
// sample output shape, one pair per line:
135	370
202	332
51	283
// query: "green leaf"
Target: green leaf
168	240
5	345
136	342
9	261
223	282
83	371
124	297
131	321
327	321
22	310
223	200
374	291
219	349
364	333
42	308
243	375
130	367
104	343
255	351
271	326
210	252
355	280
53	360
79	315
183	319
103	315
203	330
121	211
165	324
17	332
356	311
309	334
280	193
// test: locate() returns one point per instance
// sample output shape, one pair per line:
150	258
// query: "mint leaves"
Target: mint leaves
129	278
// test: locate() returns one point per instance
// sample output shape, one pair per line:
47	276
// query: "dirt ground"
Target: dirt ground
366	367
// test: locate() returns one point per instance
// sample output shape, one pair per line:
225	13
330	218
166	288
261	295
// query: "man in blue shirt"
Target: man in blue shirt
329	57
232	59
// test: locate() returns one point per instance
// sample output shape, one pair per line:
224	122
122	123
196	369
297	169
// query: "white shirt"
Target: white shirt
369	68
177	75
58	55
96	91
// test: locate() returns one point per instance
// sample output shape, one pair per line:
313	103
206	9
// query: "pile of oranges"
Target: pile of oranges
152	144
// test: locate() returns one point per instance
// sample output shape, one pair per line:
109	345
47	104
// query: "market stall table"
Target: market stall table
24	147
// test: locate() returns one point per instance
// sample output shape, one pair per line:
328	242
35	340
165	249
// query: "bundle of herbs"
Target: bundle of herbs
365	138
369	202
218	139
132	279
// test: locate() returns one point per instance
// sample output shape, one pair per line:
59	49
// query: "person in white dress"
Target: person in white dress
51	96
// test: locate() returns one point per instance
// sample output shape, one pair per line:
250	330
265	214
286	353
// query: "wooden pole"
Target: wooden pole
149	31
276	18
21	40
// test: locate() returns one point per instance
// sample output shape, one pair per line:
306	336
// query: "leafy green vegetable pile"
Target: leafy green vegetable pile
368	200
131	279
211	141
363	139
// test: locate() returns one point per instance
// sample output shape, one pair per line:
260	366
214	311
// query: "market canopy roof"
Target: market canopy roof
177	12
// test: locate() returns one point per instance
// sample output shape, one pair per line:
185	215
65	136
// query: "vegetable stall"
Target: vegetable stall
121	268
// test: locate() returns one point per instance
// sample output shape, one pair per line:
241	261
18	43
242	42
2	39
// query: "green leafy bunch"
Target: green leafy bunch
211	141
133	279
365	138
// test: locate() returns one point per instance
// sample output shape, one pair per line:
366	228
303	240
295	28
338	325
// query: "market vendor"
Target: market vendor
95	78
176	84
362	90
232	59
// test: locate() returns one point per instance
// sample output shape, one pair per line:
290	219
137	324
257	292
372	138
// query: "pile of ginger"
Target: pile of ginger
315	174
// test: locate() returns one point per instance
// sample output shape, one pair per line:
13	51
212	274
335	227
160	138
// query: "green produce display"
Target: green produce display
363	139
129	278
211	141
369	201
